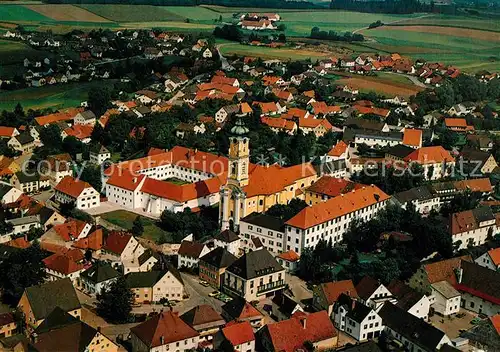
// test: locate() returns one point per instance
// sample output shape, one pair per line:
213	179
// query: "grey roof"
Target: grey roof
148	253
364	124
99	149
227	236
410	327
400	151
144	279
378	134
25	138
45	297
27	177
413	194
266	221
88	115
99	272
24	220
254	264
359	312
480	279
219	258
4	189
286	305
369	346
56	319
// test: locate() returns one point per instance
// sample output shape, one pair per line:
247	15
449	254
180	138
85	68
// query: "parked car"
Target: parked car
204	283
213	293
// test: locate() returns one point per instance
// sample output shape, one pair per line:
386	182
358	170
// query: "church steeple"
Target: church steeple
239	155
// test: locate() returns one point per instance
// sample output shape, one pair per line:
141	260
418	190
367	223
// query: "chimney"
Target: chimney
303	322
459	272
134	180
162	340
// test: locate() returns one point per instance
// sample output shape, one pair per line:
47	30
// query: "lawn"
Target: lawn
125	219
133	13
176	181
62	12
199	13
12	52
56	96
456	21
20	13
265	52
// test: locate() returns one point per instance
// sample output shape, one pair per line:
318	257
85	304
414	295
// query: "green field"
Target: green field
265	52
133	13
125	219
57	96
15	52
456	21
198	13
20	13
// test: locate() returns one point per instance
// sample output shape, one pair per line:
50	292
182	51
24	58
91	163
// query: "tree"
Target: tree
115	303
137	226
286	211
21	269
99	100
92	175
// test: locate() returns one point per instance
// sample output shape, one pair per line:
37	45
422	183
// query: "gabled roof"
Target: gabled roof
480	281
264	220
333	186
254	264
410	327
290	335
117	241
286	305
239	309
72	186
219	258
332	290
70	230
61	263
366	287
444	269
45	297
407	297
430	155
163	329
191	249
495	255
357	311
145	279
238	333
289	256
339	149
469	220
227	236
412	137
201	315
338	206
100	272
94	241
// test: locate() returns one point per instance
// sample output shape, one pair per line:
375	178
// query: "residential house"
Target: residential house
339	152
77	192
57	167
431	273
152	286
9	194
190	253
356	319
23	143
476	163
278	125
61	331
253	276
213	265
86	117
472	227
490	259
319	127
479	287
64	265
458	110
23	224
289	260
239	309
238	335
412	138
37	302
409	299
99	154
229	240
283	306
414	333
29	182
436	161
373	293
165	331
446	299
325	295
8	132
457	125
122	247
299	331
8	325
98	278
205	320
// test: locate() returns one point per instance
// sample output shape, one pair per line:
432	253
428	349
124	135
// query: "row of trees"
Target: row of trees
316	33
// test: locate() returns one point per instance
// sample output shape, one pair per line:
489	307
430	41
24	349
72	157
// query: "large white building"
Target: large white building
446	300
357	319
268	229
144	183
79	193
472	227
330	220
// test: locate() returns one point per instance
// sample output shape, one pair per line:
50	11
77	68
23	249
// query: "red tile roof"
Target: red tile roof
339	149
412	137
313	123
223	80
289	256
6	131
163	329
430	155
79	131
71	186
182	193
495	255
62	264
455	122
94	241
495	321
6	318
117	241
70	230
332	186
238	333
332	290
277	122
290	335
20	242
444	270
63	115
335	207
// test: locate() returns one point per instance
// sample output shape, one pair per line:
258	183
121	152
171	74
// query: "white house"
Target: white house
60	266
472	227
80	193
356	319
490	259
373	293
446	300
229	240
189	254
268	229
9	194
122	247
99	154
86	117
98	278
239	335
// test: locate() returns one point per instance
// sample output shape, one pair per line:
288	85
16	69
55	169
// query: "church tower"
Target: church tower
232	204
239	155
